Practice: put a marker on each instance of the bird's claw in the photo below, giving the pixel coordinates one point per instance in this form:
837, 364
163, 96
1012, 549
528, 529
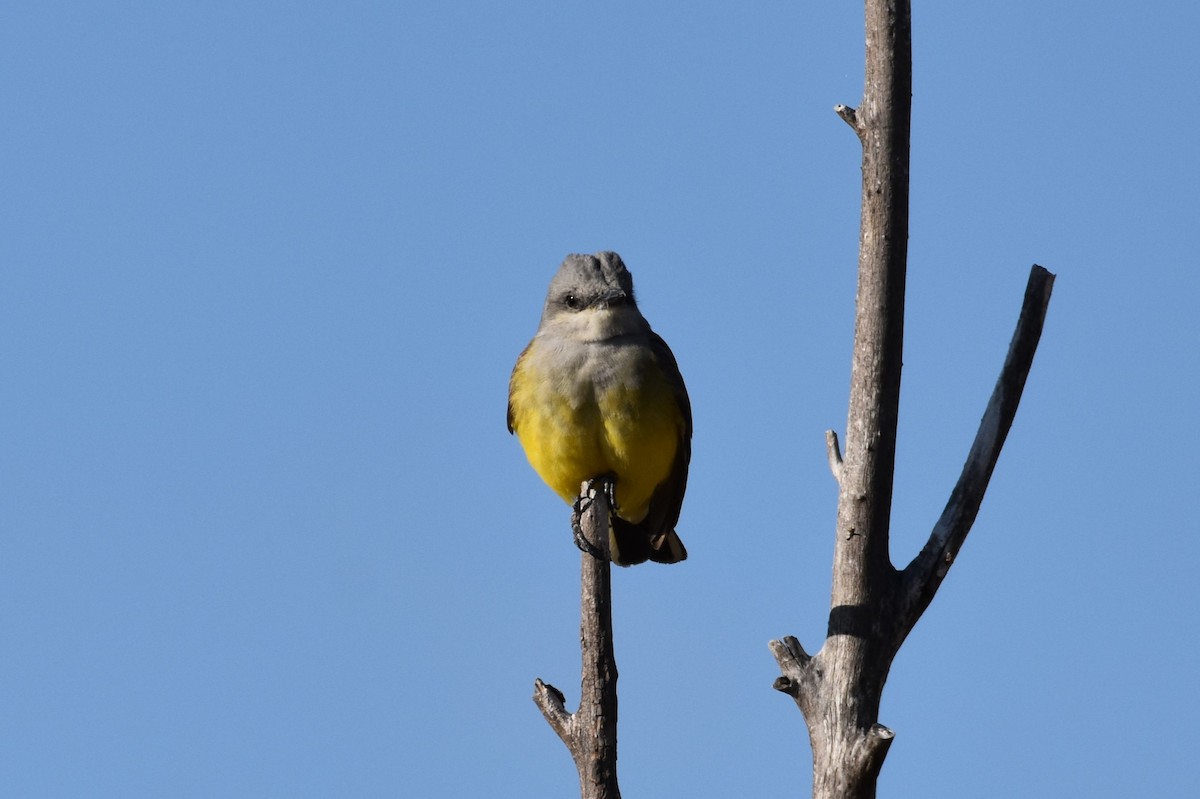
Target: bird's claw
582, 503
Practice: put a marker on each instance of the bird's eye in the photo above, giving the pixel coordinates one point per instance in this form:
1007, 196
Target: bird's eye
572, 302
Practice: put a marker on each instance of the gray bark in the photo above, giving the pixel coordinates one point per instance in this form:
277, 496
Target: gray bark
590, 733
873, 605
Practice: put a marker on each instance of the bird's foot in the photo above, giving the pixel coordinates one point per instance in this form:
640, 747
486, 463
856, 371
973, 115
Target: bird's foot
581, 540
584, 502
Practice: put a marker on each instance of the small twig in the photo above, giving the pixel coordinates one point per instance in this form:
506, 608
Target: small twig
834, 453
800, 676
849, 116
793, 662
552, 703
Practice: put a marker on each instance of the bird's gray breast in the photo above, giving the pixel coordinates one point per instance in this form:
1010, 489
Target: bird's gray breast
585, 369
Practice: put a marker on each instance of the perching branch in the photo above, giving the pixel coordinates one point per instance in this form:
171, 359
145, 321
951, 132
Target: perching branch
590, 733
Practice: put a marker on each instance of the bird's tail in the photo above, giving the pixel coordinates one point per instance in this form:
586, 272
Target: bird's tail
631, 544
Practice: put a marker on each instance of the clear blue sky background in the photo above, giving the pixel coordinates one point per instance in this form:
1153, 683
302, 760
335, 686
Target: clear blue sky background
264, 271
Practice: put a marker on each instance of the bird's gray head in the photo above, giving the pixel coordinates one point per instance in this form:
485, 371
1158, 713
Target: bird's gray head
591, 297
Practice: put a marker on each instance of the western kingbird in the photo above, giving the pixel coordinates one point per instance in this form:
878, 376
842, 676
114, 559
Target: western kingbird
597, 393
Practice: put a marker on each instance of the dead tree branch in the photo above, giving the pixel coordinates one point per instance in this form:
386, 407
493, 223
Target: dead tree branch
923, 576
590, 733
873, 606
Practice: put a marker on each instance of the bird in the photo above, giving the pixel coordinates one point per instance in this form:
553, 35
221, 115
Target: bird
597, 394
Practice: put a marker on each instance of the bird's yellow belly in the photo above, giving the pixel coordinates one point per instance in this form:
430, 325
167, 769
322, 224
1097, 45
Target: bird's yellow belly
630, 431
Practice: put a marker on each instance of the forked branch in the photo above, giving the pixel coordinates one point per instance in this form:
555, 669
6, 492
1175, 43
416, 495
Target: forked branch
847, 760
873, 606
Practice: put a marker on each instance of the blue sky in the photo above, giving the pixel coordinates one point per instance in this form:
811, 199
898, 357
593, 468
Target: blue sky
265, 269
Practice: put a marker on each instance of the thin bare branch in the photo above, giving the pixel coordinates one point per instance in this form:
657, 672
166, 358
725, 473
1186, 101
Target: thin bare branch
838, 690
590, 733
861, 560
925, 573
